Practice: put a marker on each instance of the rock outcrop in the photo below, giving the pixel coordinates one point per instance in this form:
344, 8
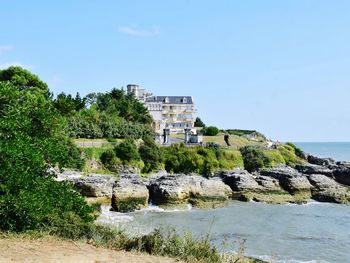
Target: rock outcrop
129, 194
325, 189
320, 161
342, 174
95, 185
180, 190
292, 181
314, 169
246, 187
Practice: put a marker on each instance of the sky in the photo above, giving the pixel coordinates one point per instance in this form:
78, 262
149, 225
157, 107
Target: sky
279, 67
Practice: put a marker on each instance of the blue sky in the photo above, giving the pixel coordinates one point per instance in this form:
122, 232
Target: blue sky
280, 67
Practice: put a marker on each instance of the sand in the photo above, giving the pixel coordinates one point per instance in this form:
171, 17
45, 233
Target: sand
55, 250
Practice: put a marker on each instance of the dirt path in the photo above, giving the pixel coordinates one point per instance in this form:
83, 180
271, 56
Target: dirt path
52, 250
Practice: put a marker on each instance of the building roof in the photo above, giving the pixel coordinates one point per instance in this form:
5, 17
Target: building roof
171, 99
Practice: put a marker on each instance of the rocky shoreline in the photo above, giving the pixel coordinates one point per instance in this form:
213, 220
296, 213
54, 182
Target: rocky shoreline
320, 179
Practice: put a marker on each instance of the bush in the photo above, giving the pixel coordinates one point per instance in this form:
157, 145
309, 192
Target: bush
180, 159
32, 139
298, 152
255, 158
151, 155
289, 155
211, 131
127, 151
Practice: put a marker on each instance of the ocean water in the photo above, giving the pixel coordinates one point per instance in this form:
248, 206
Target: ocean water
314, 232
339, 151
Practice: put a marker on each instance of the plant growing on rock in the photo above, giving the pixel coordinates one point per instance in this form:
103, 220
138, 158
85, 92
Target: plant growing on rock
254, 158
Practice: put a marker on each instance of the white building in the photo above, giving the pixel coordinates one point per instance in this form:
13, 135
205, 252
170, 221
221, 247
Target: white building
168, 112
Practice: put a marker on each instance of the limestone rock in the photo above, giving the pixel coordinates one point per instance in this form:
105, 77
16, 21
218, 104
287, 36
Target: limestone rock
314, 169
320, 161
240, 180
326, 189
179, 190
342, 174
247, 187
95, 185
291, 180
129, 194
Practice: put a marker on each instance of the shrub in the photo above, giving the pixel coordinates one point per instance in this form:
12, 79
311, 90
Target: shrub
298, 152
32, 138
151, 155
211, 131
254, 158
275, 156
127, 151
229, 159
289, 155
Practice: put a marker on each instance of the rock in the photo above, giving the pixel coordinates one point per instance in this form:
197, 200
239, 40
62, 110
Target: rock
240, 180
95, 185
246, 187
269, 184
320, 161
209, 193
342, 174
68, 175
291, 180
129, 194
314, 169
179, 190
326, 189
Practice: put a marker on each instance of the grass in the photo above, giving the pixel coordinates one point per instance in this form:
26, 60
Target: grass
235, 141
160, 242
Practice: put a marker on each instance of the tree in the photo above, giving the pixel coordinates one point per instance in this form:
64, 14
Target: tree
23, 79
67, 105
127, 151
33, 138
211, 131
151, 155
199, 123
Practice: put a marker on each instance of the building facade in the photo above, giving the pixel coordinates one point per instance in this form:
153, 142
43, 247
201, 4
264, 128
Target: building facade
176, 113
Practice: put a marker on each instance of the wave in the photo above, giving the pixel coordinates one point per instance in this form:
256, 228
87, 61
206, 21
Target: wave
285, 260
154, 208
110, 217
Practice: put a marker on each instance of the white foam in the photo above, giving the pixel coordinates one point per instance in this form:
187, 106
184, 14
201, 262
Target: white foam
154, 208
275, 259
114, 218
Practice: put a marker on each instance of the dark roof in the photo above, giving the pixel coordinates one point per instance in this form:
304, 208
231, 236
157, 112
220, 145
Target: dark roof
172, 99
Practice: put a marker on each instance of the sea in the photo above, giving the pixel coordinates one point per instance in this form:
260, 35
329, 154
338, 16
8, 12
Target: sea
314, 232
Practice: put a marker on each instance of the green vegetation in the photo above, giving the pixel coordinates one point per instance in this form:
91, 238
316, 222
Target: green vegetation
255, 158
298, 152
181, 159
210, 131
290, 155
151, 155
127, 151
32, 139
113, 114
199, 123
161, 242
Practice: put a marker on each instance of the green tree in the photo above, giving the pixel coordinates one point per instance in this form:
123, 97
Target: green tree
24, 79
211, 131
199, 123
32, 138
151, 155
127, 151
